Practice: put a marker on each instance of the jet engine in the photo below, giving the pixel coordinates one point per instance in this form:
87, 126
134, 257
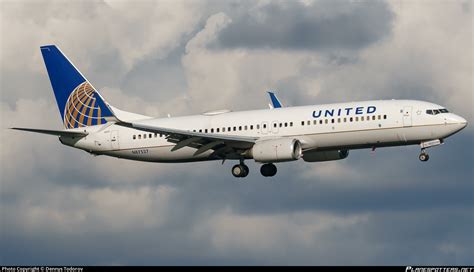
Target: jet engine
318, 156
277, 150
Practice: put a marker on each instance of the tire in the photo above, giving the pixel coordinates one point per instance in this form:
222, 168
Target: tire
268, 170
237, 171
246, 171
424, 157
240, 170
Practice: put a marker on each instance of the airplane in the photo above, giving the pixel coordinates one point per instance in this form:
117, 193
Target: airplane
312, 133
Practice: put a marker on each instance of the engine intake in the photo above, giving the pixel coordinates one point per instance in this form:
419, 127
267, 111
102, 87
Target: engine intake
277, 150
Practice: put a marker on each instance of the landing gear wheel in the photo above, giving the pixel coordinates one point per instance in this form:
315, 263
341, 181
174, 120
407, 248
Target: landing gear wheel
424, 157
246, 170
240, 170
268, 170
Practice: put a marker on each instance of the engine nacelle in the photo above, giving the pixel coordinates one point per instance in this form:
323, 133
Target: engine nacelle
277, 150
318, 156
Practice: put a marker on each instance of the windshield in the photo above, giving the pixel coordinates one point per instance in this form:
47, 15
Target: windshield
436, 111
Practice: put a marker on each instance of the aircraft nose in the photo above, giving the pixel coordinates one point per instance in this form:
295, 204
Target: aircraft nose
458, 121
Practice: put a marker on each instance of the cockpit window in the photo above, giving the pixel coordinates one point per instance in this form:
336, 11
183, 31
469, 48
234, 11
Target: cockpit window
436, 111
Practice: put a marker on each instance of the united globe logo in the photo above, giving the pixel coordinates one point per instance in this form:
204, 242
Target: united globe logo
82, 108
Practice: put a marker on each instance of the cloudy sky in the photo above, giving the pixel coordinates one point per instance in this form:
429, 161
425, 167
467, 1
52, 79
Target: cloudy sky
63, 206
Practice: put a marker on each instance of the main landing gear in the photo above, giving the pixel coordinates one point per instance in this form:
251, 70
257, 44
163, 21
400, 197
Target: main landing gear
241, 170
268, 170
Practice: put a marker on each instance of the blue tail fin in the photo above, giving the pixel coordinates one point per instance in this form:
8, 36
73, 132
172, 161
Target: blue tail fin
79, 102
275, 102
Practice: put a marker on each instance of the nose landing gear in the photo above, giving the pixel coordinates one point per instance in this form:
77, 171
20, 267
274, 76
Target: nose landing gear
424, 156
427, 144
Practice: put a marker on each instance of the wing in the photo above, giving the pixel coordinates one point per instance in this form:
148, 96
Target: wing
224, 146
65, 133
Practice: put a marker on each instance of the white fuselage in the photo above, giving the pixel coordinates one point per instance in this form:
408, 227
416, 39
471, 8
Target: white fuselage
342, 126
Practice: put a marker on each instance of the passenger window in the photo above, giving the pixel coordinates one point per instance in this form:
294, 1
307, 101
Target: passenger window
223, 129
144, 136
235, 128
321, 122
264, 125
351, 119
379, 117
302, 123
134, 137
286, 124
139, 136
229, 129
291, 124
251, 127
362, 118
212, 130
357, 119
373, 117
274, 125
240, 128
345, 119
332, 121
150, 136
280, 125
217, 130
309, 123
258, 126
325, 121
245, 127
200, 131
385, 116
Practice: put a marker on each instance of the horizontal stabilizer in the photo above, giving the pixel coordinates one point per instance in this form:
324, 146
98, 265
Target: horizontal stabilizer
55, 132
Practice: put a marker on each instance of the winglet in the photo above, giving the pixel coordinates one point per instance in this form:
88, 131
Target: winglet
275, 102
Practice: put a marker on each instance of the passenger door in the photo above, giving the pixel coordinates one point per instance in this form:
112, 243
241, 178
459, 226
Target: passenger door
114, 139
264, 127
275, 127
407, 116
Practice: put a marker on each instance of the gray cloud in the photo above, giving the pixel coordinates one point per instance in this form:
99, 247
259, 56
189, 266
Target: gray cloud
320, 25
386, 208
